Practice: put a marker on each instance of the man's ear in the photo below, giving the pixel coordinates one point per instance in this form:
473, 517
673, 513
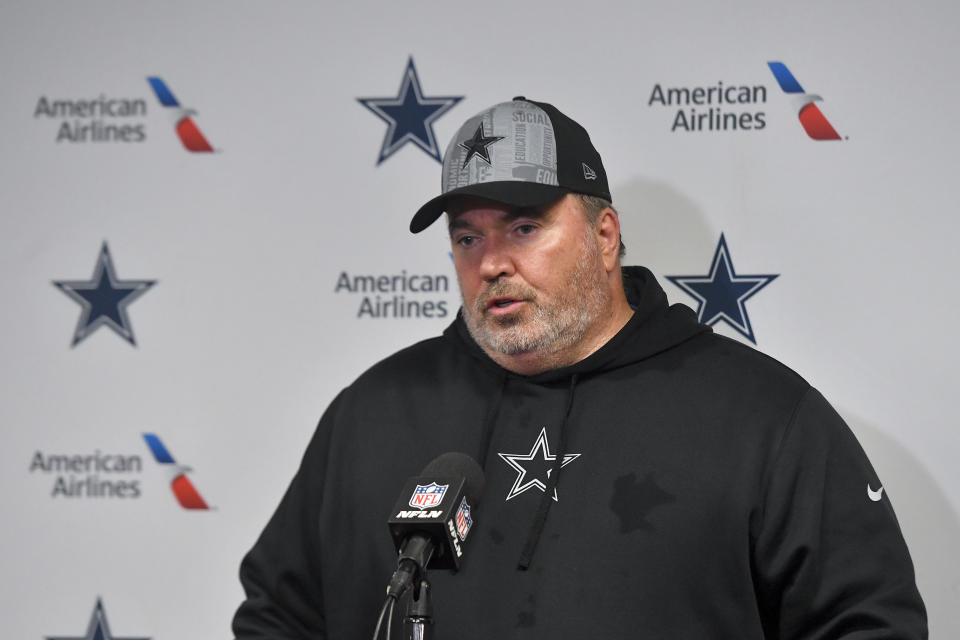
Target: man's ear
608, 234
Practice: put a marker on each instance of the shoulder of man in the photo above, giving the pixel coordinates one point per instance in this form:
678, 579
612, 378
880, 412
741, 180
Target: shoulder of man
421, 361
739, 363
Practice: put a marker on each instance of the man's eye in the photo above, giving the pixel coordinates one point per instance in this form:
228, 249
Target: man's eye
526, 229
466, 241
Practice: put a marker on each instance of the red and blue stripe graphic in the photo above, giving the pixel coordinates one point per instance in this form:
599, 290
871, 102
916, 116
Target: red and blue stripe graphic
187, 129
183, 489
814, 122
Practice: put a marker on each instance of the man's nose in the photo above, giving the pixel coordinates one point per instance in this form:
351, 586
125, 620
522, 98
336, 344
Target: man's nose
497, 259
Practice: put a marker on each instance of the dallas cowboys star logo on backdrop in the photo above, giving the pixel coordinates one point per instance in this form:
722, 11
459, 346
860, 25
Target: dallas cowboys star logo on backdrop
97, 629
477, 146
410, 115
104, 299
722, 294
533, 469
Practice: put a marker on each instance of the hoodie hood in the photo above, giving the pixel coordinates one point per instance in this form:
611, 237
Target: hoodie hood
654, 327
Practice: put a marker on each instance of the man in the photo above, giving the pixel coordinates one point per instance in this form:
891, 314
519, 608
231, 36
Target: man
644, 476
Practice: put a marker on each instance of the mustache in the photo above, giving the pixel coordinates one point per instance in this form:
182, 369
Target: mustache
501, 289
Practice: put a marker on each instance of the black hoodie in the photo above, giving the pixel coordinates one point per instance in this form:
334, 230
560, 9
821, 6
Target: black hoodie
705, 491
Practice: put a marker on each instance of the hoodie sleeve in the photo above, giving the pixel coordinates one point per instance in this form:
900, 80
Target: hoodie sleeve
830, 560
281, 573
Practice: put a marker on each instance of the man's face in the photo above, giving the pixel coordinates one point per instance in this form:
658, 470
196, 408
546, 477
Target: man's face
531, 280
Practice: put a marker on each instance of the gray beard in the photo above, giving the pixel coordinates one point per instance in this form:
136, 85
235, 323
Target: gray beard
550, 327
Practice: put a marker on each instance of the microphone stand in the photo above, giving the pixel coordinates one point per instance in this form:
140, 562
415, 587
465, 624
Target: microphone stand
411, 574
420, 613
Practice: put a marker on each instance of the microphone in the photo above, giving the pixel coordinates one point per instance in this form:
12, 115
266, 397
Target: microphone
433, 517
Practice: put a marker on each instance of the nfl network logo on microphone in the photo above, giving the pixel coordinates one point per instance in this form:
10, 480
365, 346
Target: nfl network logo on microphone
426, 496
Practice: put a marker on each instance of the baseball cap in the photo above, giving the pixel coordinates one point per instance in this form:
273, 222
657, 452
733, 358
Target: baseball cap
522, 153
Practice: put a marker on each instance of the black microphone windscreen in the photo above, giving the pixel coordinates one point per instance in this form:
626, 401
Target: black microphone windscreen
458, 464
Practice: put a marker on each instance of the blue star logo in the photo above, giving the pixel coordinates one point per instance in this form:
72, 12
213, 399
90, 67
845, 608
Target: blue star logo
409, 116
722, 294
104, 299
97, 629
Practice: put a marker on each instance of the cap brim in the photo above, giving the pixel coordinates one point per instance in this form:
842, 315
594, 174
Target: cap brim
514, 193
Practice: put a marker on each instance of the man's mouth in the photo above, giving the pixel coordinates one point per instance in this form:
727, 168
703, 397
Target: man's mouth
502, 304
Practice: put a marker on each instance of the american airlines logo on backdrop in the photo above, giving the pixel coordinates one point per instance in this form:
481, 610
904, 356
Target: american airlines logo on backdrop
113, 474
398, 295
180, 484
100, 118
180, 117
814, 122
85, 475
105, 118
725, 106
722, 106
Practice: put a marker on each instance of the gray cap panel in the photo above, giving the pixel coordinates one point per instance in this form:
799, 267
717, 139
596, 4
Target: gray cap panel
517, 136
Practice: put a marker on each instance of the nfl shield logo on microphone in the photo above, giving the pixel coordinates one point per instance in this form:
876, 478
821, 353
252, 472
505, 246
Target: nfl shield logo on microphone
426, 496
464, 521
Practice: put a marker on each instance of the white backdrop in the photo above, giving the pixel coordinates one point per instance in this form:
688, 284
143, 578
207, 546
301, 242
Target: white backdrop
243, 338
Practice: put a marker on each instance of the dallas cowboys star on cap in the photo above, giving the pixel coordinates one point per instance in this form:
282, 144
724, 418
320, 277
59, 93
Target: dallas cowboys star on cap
521, 153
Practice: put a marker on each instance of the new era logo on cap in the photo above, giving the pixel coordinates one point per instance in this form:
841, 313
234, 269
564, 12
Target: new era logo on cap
588, 173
